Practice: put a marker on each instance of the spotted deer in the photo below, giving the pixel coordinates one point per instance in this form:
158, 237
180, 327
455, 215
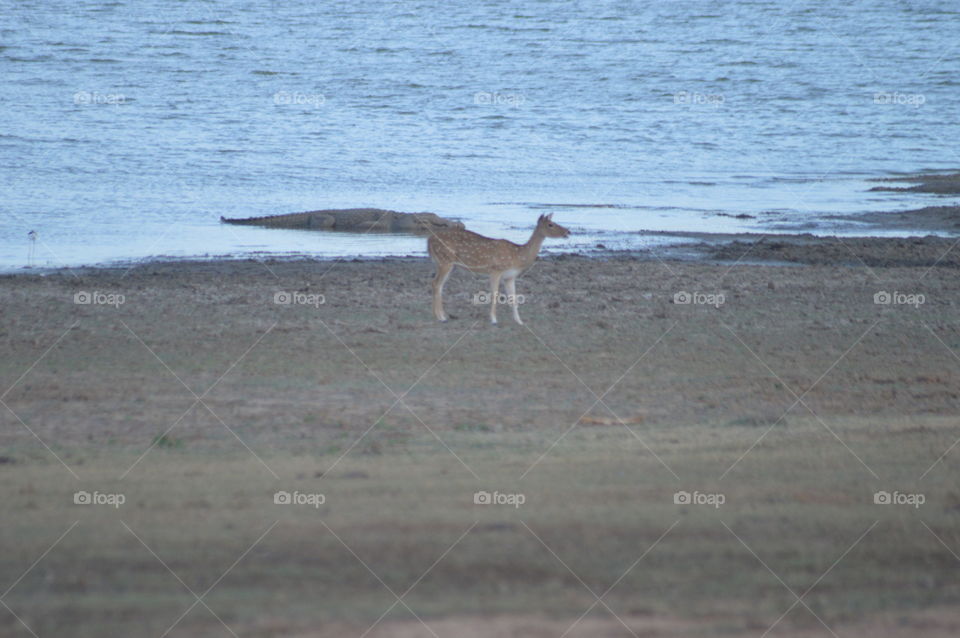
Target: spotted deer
499, 258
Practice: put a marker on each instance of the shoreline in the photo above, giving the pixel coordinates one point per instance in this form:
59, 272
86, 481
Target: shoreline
929, 225
745, 249
935, 216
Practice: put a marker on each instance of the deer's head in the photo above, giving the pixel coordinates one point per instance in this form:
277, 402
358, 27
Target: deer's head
550, 228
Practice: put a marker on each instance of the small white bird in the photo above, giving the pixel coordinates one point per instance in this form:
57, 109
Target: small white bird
31, 253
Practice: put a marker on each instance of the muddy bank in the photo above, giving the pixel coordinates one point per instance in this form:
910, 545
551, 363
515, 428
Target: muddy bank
943, 219
913, 252
778, 249
935, 219
937, 183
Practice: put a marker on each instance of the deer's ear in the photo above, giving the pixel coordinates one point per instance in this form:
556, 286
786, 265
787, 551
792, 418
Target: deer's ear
541, 218
550, 216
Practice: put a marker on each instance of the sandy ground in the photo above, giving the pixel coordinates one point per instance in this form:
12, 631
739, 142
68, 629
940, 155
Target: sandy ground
586, 318
199, 389
932, 623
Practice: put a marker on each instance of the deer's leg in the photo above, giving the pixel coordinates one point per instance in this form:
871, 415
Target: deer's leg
494, 293
511, 286
443, 271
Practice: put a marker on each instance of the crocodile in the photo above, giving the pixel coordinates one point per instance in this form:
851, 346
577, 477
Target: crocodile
356, 220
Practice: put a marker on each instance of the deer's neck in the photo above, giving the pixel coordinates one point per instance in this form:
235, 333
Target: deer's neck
529, 251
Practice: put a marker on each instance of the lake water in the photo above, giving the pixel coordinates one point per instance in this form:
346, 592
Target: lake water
130, 127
